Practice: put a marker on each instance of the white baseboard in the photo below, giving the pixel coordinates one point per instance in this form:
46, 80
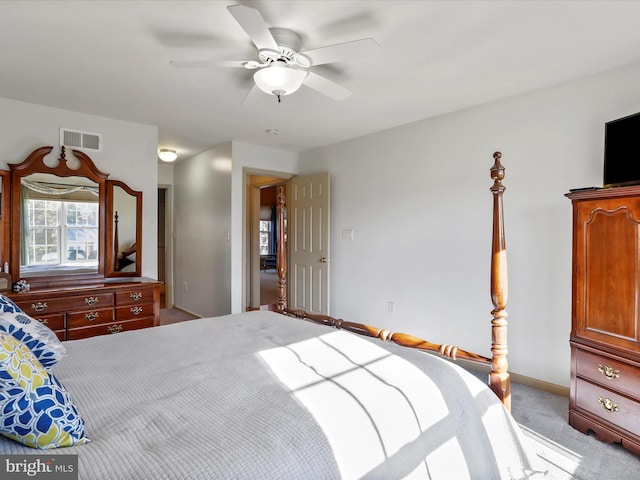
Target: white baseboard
522, 379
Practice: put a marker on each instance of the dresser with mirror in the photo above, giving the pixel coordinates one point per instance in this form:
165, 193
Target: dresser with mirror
74, 236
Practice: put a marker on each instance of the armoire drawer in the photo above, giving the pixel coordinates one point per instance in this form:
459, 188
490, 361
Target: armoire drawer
110, 328
608, 405
611, 374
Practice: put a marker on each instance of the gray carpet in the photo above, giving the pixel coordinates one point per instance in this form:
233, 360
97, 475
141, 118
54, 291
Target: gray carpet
268, 287
566, 453
172, 315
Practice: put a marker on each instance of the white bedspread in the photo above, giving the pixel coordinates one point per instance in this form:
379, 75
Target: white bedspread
262, 396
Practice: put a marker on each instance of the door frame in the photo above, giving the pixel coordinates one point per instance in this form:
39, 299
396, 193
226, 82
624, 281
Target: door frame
168, 242
253, 180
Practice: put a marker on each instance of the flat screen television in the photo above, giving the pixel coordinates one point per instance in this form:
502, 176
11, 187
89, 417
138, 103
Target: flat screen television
622, 152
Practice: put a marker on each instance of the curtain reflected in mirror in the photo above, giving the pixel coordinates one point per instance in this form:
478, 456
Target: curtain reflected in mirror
59, 225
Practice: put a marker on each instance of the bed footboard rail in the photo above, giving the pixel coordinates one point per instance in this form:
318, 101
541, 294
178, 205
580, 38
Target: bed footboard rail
403, 339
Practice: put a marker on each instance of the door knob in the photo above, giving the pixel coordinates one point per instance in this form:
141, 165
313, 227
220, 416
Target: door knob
325, 260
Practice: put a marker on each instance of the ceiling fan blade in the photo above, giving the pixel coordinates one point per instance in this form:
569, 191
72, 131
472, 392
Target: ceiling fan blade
339, 52
252, 22
326, 87
248, 64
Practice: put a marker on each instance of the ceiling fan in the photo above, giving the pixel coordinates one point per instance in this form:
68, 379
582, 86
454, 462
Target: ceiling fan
281, 68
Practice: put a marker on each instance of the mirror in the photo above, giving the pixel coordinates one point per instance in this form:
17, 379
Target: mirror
57, 221
124, 230
59, 225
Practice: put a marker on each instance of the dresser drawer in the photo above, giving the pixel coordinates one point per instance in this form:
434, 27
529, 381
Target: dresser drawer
131, 312
90, 317
610, 373
609, 406
55, 321
117, 327
134, 296
65, 304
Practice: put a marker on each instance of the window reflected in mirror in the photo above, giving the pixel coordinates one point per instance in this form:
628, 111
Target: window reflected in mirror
59, 225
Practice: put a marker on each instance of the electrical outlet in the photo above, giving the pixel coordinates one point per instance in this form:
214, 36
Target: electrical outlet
391, 307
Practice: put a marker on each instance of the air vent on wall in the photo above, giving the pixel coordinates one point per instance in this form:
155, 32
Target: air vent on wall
83, 140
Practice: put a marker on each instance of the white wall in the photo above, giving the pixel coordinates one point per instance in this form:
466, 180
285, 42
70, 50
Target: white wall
418, 200
165, 173
129, 154
210, 219
202, 222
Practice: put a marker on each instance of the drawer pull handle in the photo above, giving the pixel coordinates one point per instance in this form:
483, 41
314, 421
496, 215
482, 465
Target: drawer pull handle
608, 371
136, 296
91, 301
136, 310
91, 316
115, 328
39, 307
608, 404
43, 321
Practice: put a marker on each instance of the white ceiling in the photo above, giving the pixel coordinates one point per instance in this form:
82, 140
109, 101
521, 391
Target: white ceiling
111, 58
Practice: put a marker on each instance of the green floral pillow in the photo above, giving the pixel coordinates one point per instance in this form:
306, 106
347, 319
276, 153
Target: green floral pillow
36, 410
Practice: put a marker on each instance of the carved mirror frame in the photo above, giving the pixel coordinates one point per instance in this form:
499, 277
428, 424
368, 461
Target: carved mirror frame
34, 163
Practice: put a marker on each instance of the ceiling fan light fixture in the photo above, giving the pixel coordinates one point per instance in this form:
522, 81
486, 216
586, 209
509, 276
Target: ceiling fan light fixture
167, 154
278, 79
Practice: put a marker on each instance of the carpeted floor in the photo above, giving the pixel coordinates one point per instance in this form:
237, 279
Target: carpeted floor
268, 287
172, 315
566, 453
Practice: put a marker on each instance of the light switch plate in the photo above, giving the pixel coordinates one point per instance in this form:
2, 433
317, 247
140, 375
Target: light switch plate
347, 234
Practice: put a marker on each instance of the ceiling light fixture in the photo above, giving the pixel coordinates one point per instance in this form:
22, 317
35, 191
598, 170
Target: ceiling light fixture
167, 155
279, 79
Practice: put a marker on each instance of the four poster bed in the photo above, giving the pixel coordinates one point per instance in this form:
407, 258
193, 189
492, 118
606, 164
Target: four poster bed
264, 395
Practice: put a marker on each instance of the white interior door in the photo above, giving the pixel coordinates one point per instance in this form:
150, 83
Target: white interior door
308, 243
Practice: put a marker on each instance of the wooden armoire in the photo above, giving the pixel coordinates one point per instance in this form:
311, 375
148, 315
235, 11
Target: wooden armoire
605, 328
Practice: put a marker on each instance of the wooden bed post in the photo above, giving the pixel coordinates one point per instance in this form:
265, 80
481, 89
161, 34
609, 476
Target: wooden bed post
499, 377
281, 257
116, 265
